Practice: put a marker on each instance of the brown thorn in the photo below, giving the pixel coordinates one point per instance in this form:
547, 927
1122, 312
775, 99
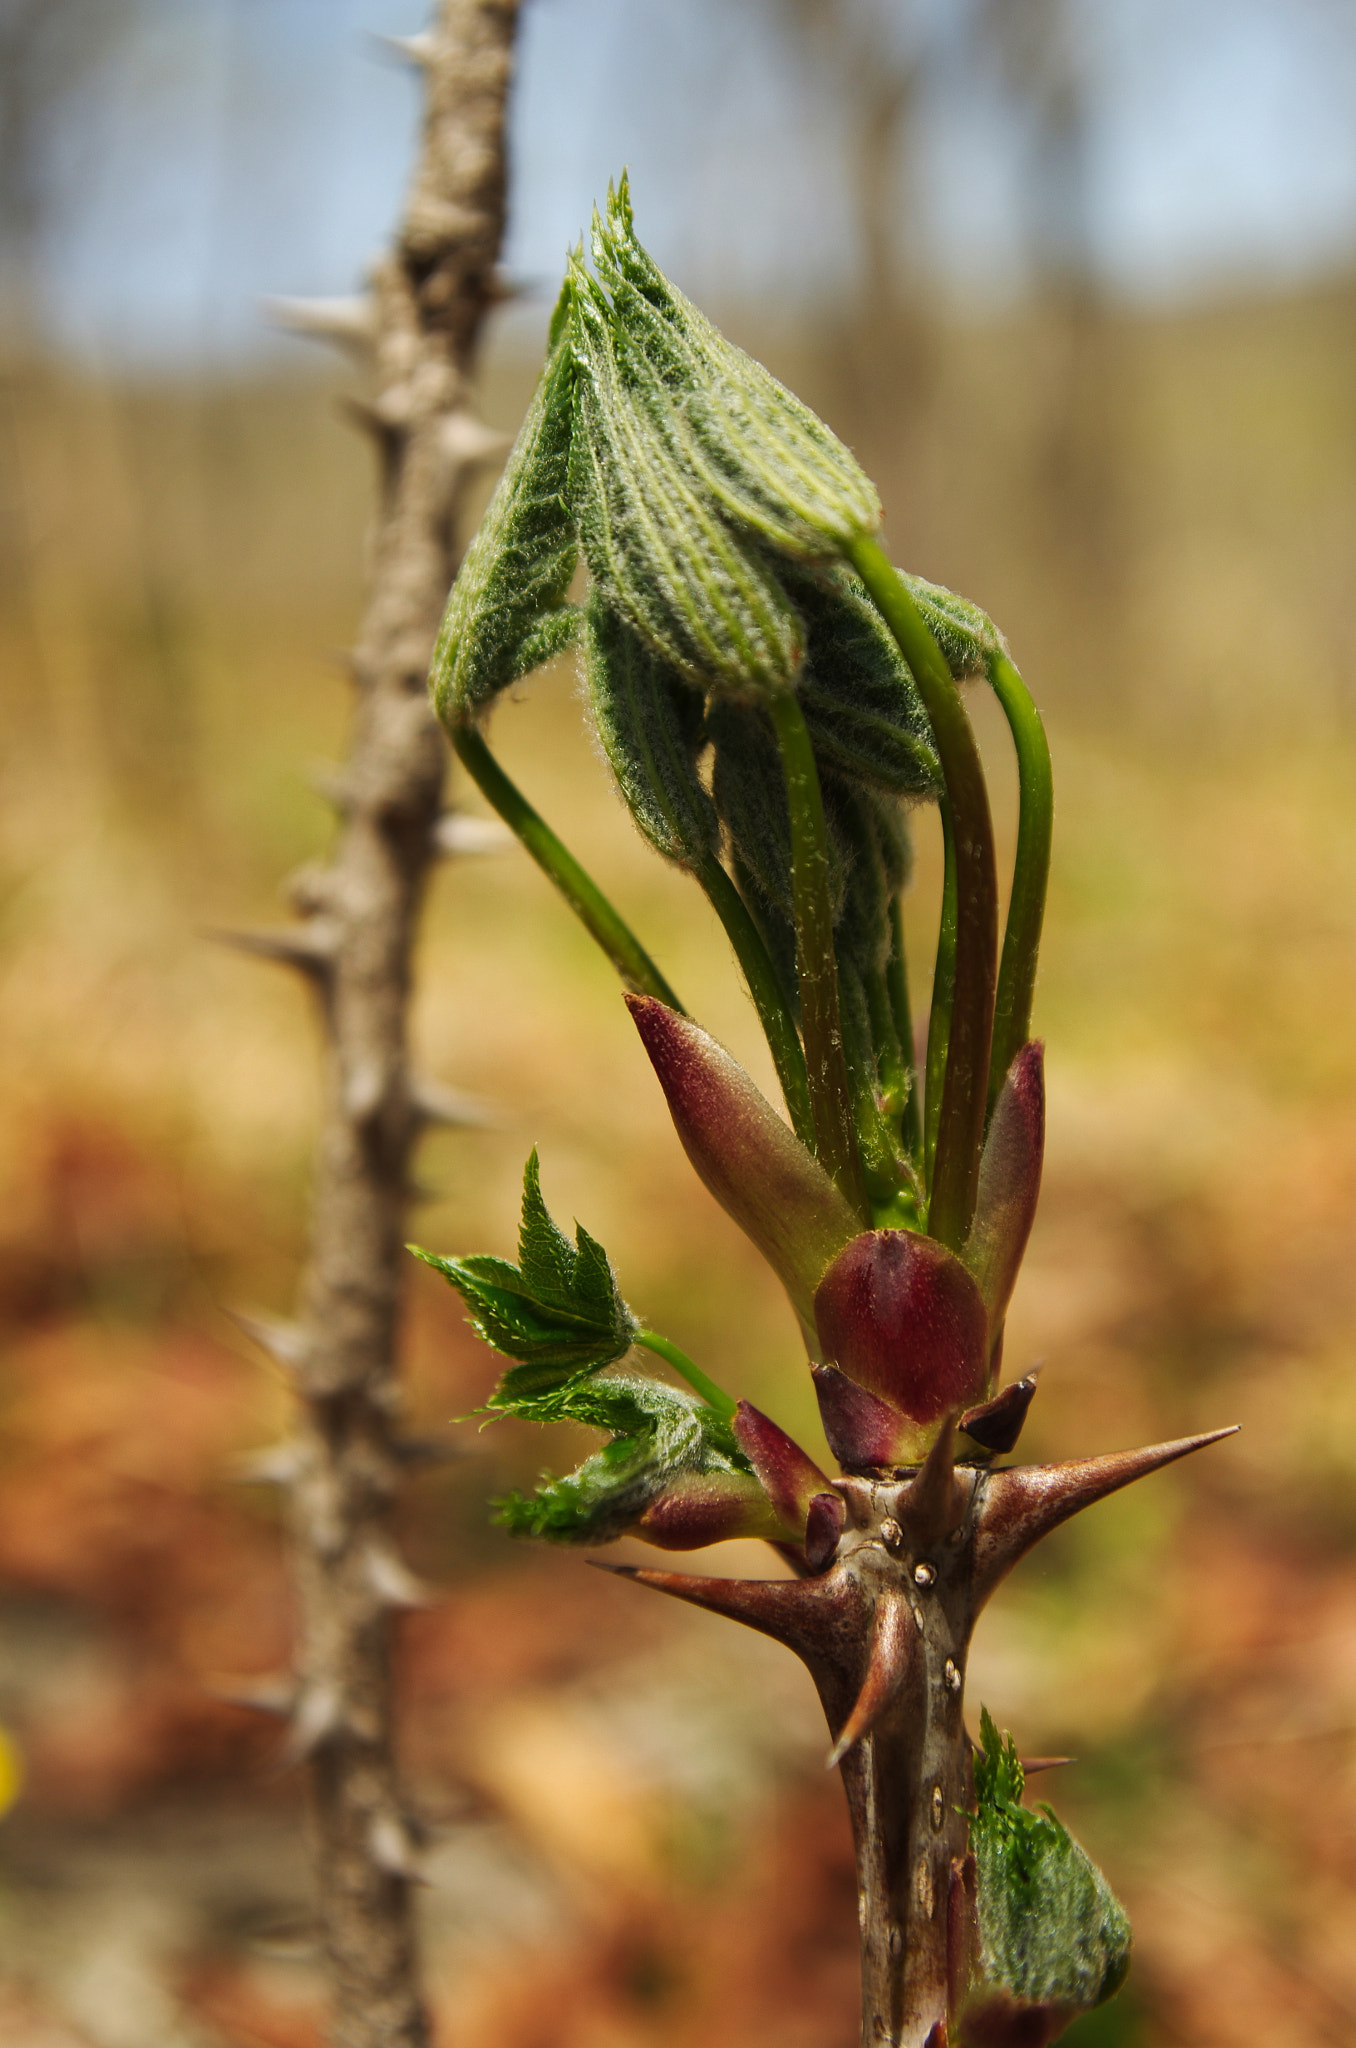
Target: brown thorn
804, 1614
310, 948
1022, 1503
349, 323
891, 1643
935, 1503
287, 1344
1032, 1764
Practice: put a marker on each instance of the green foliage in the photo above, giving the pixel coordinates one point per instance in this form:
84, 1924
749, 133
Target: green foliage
649, 720
659, 1436
1051, 1930
558, 1311
968, 637
507, 612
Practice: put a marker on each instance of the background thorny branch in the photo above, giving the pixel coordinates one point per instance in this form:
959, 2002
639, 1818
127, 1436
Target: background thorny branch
419, 326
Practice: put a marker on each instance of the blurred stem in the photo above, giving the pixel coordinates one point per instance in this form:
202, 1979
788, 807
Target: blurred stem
580, 891
960, 1125
943, 989
891, 1064
764, 985
1030, 871
816, 963
897, 986
713, 1395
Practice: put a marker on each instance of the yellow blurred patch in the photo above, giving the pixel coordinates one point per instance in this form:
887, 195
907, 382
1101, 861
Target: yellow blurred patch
11, 1771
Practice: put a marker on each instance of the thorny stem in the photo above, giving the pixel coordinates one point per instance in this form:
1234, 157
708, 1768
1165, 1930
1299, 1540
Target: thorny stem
960, 1127
1030, 870
765, 988
429, 298
663, 1347
580, 891
816, 962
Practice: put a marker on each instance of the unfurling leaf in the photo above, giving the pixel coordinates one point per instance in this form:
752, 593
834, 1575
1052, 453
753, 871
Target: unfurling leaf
558, 1311
656, 546
769, 460
649, 720
672, 1472
968, 637
507, 611
1053, 1939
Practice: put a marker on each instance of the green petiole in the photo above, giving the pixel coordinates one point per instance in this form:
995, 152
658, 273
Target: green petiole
580, 891
765, 987
662, 1347
1030, 870
960, 1123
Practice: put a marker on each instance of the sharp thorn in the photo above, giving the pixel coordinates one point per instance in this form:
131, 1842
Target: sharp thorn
891, 1645
287, 1344
1021, 1503
418, 50
365, 1088
467, 442
310, 948
329, 780
1032, 1764
801, 1613
318, 1714
391, 1579
273, 1465
349, 323
935, 1503
275, 1694
392, 1849
368, 419
454, 1108
458, 833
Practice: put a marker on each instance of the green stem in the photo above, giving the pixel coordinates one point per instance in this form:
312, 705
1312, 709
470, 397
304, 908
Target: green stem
580, 891
1030, 870
960, 1128
897, 983
714, 1396
943, 994
892, 1067
764, 985
816, 964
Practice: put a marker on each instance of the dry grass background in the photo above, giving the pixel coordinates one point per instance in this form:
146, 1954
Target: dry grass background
631, 1837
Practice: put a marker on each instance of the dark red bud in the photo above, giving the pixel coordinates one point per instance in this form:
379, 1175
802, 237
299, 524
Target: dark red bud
998, 1423
899, 1314
704, 1508
861, 1430
790, 1477
823, 1527
753, 1164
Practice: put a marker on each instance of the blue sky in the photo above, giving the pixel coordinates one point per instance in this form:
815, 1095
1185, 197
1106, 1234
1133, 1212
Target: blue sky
236, 148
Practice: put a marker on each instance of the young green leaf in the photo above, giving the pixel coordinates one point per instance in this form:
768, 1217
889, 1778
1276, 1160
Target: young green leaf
654, 542
769, 460
662, 1441
507, 613
649, 719
558, 1311
967, 636
1051, 1931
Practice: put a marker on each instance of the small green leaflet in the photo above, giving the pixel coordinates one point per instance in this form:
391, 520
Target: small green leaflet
558, 1311
659, 1435
1051, 1930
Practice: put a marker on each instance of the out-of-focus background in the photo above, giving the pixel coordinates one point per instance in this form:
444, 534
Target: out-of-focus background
1077, 278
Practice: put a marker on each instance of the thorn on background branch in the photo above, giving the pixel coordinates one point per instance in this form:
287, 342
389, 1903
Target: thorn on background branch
317, 1716
391, 1579
273, 1465
418, 50
309, 948
287, 1344
458, 833
453, 1108
275, 1693
347, 323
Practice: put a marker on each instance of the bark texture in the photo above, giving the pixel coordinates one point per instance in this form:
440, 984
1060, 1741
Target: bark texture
417, 327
